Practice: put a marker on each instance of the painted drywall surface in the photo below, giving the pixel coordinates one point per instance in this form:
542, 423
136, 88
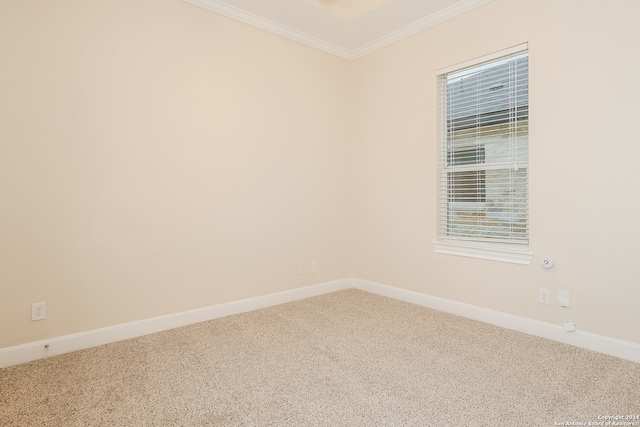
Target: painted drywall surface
584, 188
156, 157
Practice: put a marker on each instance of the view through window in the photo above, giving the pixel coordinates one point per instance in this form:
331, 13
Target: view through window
484, 151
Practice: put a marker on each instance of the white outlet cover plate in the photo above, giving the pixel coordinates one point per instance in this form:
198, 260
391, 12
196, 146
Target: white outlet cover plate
564, 299
543, 296
38, 311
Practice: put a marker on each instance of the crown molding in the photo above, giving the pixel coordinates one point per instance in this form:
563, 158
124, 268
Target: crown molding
222, 8
241, 15
417, 26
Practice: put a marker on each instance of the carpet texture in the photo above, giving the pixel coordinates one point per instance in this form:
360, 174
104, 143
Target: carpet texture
345, 358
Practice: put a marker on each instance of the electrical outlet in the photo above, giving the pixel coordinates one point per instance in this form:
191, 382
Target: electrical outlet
314, 266
300, 269
38, 311
543, 296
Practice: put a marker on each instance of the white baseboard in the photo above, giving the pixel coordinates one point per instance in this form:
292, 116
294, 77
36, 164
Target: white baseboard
58, 345
600, 343
64, 344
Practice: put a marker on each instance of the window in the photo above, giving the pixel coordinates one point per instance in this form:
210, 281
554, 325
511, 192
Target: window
483, 174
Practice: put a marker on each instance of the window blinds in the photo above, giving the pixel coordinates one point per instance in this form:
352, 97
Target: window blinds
484, 151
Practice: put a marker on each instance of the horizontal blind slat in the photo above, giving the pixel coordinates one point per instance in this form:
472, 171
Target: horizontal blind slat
483, 154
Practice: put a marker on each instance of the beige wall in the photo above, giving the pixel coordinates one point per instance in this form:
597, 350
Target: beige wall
584, 186
156, 157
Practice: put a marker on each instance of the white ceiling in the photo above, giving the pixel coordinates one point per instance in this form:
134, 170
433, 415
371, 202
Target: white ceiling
347, 28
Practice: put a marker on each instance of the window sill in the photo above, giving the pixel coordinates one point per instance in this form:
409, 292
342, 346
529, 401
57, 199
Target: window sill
516, 254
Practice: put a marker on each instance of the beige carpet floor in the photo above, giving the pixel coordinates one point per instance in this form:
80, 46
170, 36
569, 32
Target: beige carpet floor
348, 358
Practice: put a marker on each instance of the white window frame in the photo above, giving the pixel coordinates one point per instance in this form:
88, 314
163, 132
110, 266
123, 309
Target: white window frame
517, 253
